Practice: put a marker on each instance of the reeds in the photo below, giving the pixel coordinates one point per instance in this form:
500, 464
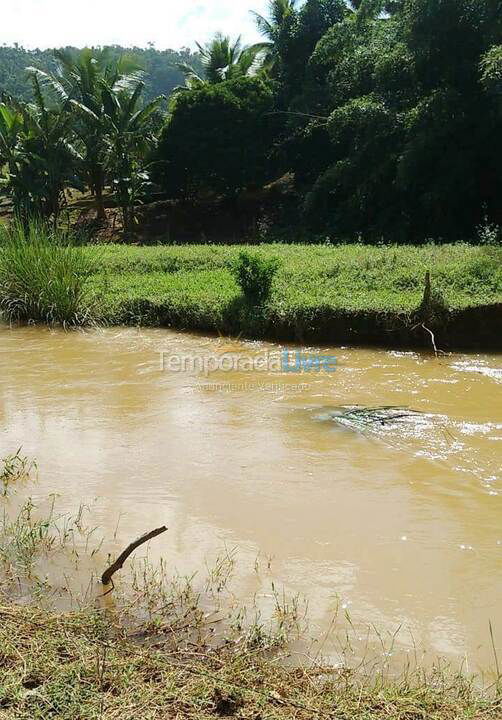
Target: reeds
43, 276
14, 468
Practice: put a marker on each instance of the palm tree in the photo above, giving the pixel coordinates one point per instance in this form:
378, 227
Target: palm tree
79, 82
281, 15
131, 139
222, 59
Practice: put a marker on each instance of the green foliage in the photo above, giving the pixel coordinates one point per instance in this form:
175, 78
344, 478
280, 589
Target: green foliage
162, 74
383, 115
217, 139
414, 141
314, 288
491, 70
88, 124
276, 30
88, 83
39, 159
222, 59
43, 278
131, 140
255, 276
13, 469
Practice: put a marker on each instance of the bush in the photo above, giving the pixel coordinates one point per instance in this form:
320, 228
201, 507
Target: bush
217, 140
43, 277
255, 276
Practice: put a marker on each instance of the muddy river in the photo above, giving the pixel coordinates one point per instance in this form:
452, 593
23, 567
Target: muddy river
236, 445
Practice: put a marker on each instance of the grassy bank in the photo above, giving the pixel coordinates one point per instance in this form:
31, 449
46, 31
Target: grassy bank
320, 294
75, 667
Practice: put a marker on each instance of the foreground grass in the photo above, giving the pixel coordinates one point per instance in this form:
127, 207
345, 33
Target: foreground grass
359, 289
166, 647
81, 667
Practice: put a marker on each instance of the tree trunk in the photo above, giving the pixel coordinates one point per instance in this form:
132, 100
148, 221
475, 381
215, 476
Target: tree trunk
97, 184
100, 205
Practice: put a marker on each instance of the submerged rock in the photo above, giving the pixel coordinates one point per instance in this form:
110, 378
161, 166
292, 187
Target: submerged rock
356, 417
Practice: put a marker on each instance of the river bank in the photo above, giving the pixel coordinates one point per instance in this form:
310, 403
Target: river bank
347, 294
159, 645
75, 666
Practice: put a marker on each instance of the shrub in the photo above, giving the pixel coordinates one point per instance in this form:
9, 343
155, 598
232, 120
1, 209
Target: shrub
217, 140
43, 277
255, 276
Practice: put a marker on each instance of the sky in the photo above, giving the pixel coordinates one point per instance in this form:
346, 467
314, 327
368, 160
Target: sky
166, 23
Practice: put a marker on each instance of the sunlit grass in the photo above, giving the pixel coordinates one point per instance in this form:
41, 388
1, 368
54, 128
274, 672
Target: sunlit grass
318, 293
43, 278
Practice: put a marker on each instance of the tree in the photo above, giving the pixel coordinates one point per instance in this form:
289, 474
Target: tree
131, 139
161, 72
40, 160
450, 167
412, 122
275, 28
217, 139
82, 82
221, 59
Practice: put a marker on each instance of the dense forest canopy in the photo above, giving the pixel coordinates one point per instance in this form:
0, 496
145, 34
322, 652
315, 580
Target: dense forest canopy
385, 114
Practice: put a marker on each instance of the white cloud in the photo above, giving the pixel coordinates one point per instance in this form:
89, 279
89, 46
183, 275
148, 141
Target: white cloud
167, 23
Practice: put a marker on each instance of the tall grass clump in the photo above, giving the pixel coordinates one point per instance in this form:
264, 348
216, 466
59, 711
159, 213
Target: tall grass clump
43, 276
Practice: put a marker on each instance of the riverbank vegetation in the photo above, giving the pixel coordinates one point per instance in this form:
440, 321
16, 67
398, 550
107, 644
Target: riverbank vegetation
82, 665
43, 276
317, 293
160, 645
379, 122
284, 292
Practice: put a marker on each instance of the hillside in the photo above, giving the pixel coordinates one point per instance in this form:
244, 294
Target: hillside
162, 74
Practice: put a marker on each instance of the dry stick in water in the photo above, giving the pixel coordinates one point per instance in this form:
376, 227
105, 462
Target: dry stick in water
119, 562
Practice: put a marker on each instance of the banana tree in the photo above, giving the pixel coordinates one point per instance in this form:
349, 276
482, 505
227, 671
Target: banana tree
80, 84
131, 138
11, 152
37, 155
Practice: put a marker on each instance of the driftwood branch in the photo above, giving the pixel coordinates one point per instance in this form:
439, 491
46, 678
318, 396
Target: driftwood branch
119, 562
436, 351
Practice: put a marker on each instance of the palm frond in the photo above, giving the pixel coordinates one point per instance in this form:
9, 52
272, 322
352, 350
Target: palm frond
140, 117
264, 26
54, 86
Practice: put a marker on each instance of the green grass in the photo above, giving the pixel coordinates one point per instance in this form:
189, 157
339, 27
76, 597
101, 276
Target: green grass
81, 667
319, 293
42, 277
193, 287
354, 276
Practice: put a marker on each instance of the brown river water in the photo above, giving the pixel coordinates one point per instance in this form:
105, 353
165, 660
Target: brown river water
398, 524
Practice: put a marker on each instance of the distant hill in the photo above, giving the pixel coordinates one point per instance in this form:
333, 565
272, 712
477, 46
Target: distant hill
160, 66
